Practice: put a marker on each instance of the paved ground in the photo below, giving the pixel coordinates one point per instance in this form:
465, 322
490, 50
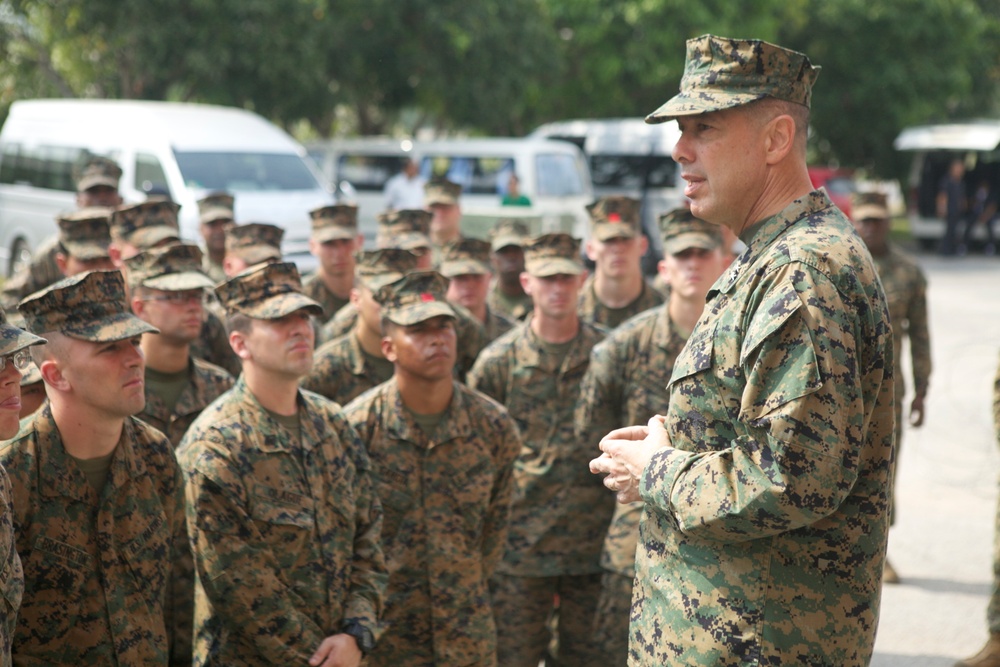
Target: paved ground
947, 480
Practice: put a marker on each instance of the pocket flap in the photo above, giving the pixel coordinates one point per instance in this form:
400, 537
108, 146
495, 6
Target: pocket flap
772, 313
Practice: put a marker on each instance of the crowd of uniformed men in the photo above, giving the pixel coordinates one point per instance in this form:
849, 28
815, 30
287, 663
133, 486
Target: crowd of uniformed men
386, 462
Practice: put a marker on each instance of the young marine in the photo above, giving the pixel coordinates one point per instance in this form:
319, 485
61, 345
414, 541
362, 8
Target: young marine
443, 459
559, 517
283, 516
98, 495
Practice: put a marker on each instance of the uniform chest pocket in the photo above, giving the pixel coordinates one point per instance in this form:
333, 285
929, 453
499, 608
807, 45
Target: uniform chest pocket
278, 507
696, 356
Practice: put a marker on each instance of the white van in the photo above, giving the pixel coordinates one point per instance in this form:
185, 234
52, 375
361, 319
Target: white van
627, 156
553, 175
934, 147
183, 150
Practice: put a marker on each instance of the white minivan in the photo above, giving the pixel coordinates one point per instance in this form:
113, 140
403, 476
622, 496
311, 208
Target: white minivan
552, 174
182, 150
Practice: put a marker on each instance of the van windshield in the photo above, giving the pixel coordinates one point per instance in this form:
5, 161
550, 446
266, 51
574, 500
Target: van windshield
629, 171
245, 172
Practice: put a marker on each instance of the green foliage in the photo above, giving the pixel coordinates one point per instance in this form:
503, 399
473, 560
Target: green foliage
501, 66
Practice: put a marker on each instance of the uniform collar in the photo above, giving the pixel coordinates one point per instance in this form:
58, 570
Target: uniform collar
270, 436
401, 425
763, 234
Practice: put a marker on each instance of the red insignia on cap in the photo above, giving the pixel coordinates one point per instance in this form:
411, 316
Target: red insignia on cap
426, 296
614, 217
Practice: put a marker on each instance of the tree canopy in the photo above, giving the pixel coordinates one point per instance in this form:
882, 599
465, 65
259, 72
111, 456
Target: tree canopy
501, 66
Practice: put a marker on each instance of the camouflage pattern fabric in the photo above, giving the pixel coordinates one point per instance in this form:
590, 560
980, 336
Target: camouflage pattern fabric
11, 574
775, 489
524, 615
147, 223
906, 292
100, 573
441, 191
85, 234
216, 206
993, 610
213, 270
721, 73
446, 500
560, 511
416, 297
208, 382
334, 222
340, 371
285, 531
470, 332
255, 242
553, 254
496, 325
41, 272
625, 384
314, 288
592, 310
98, 170
172, 268
213, 345
615, 217
266, 292
517, 308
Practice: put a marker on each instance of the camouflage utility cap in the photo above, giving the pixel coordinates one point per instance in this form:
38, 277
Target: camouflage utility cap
88, 306
417, 297
615, 217
721, 73
409, 228
31, 375
86, 234
173, 268
254, 242
216, 206
869, 205
680, 230
331, 223
553, 254
441, 191
14, 338
147, 223
466, 257
376, 268
266, 292
98, 171
509, 232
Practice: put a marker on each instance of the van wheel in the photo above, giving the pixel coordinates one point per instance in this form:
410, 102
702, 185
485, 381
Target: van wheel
20, 256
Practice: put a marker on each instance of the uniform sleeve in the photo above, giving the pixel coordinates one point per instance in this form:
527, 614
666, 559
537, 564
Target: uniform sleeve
919, 334
801, 421
369, 574
486, 376
11, 574
598, 411
239, 575
498, 516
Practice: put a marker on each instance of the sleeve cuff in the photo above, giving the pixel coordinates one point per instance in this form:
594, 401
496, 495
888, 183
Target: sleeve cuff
658, 478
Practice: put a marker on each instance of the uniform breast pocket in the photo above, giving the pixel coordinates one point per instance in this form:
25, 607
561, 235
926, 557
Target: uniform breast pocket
148, 556
286, 520
396, 504
55, 573
472, 489
526, 403
695, 400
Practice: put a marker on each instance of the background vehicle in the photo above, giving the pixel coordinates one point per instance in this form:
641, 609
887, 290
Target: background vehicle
629, 157
839, 184
934, 147
184, 150
553, 174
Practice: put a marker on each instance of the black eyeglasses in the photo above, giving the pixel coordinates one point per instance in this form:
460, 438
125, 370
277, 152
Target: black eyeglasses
20, 360
181, 298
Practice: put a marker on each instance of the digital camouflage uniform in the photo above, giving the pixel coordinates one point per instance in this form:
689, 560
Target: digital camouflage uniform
12, 340
216, 207
100, 569
446, 498
506, 233
213, 345
316, 289
440, 190
560, 512
592, 310
208, 382
626, 384
285, 527
615, 217
42, 271
781, 501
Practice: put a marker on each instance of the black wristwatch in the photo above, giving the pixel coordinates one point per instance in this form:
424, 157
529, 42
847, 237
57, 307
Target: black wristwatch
362, 635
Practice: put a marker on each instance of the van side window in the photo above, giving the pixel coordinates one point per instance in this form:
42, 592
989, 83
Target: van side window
368, 173
476, 175
49, 167
558, 176
629, 171
149, 174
